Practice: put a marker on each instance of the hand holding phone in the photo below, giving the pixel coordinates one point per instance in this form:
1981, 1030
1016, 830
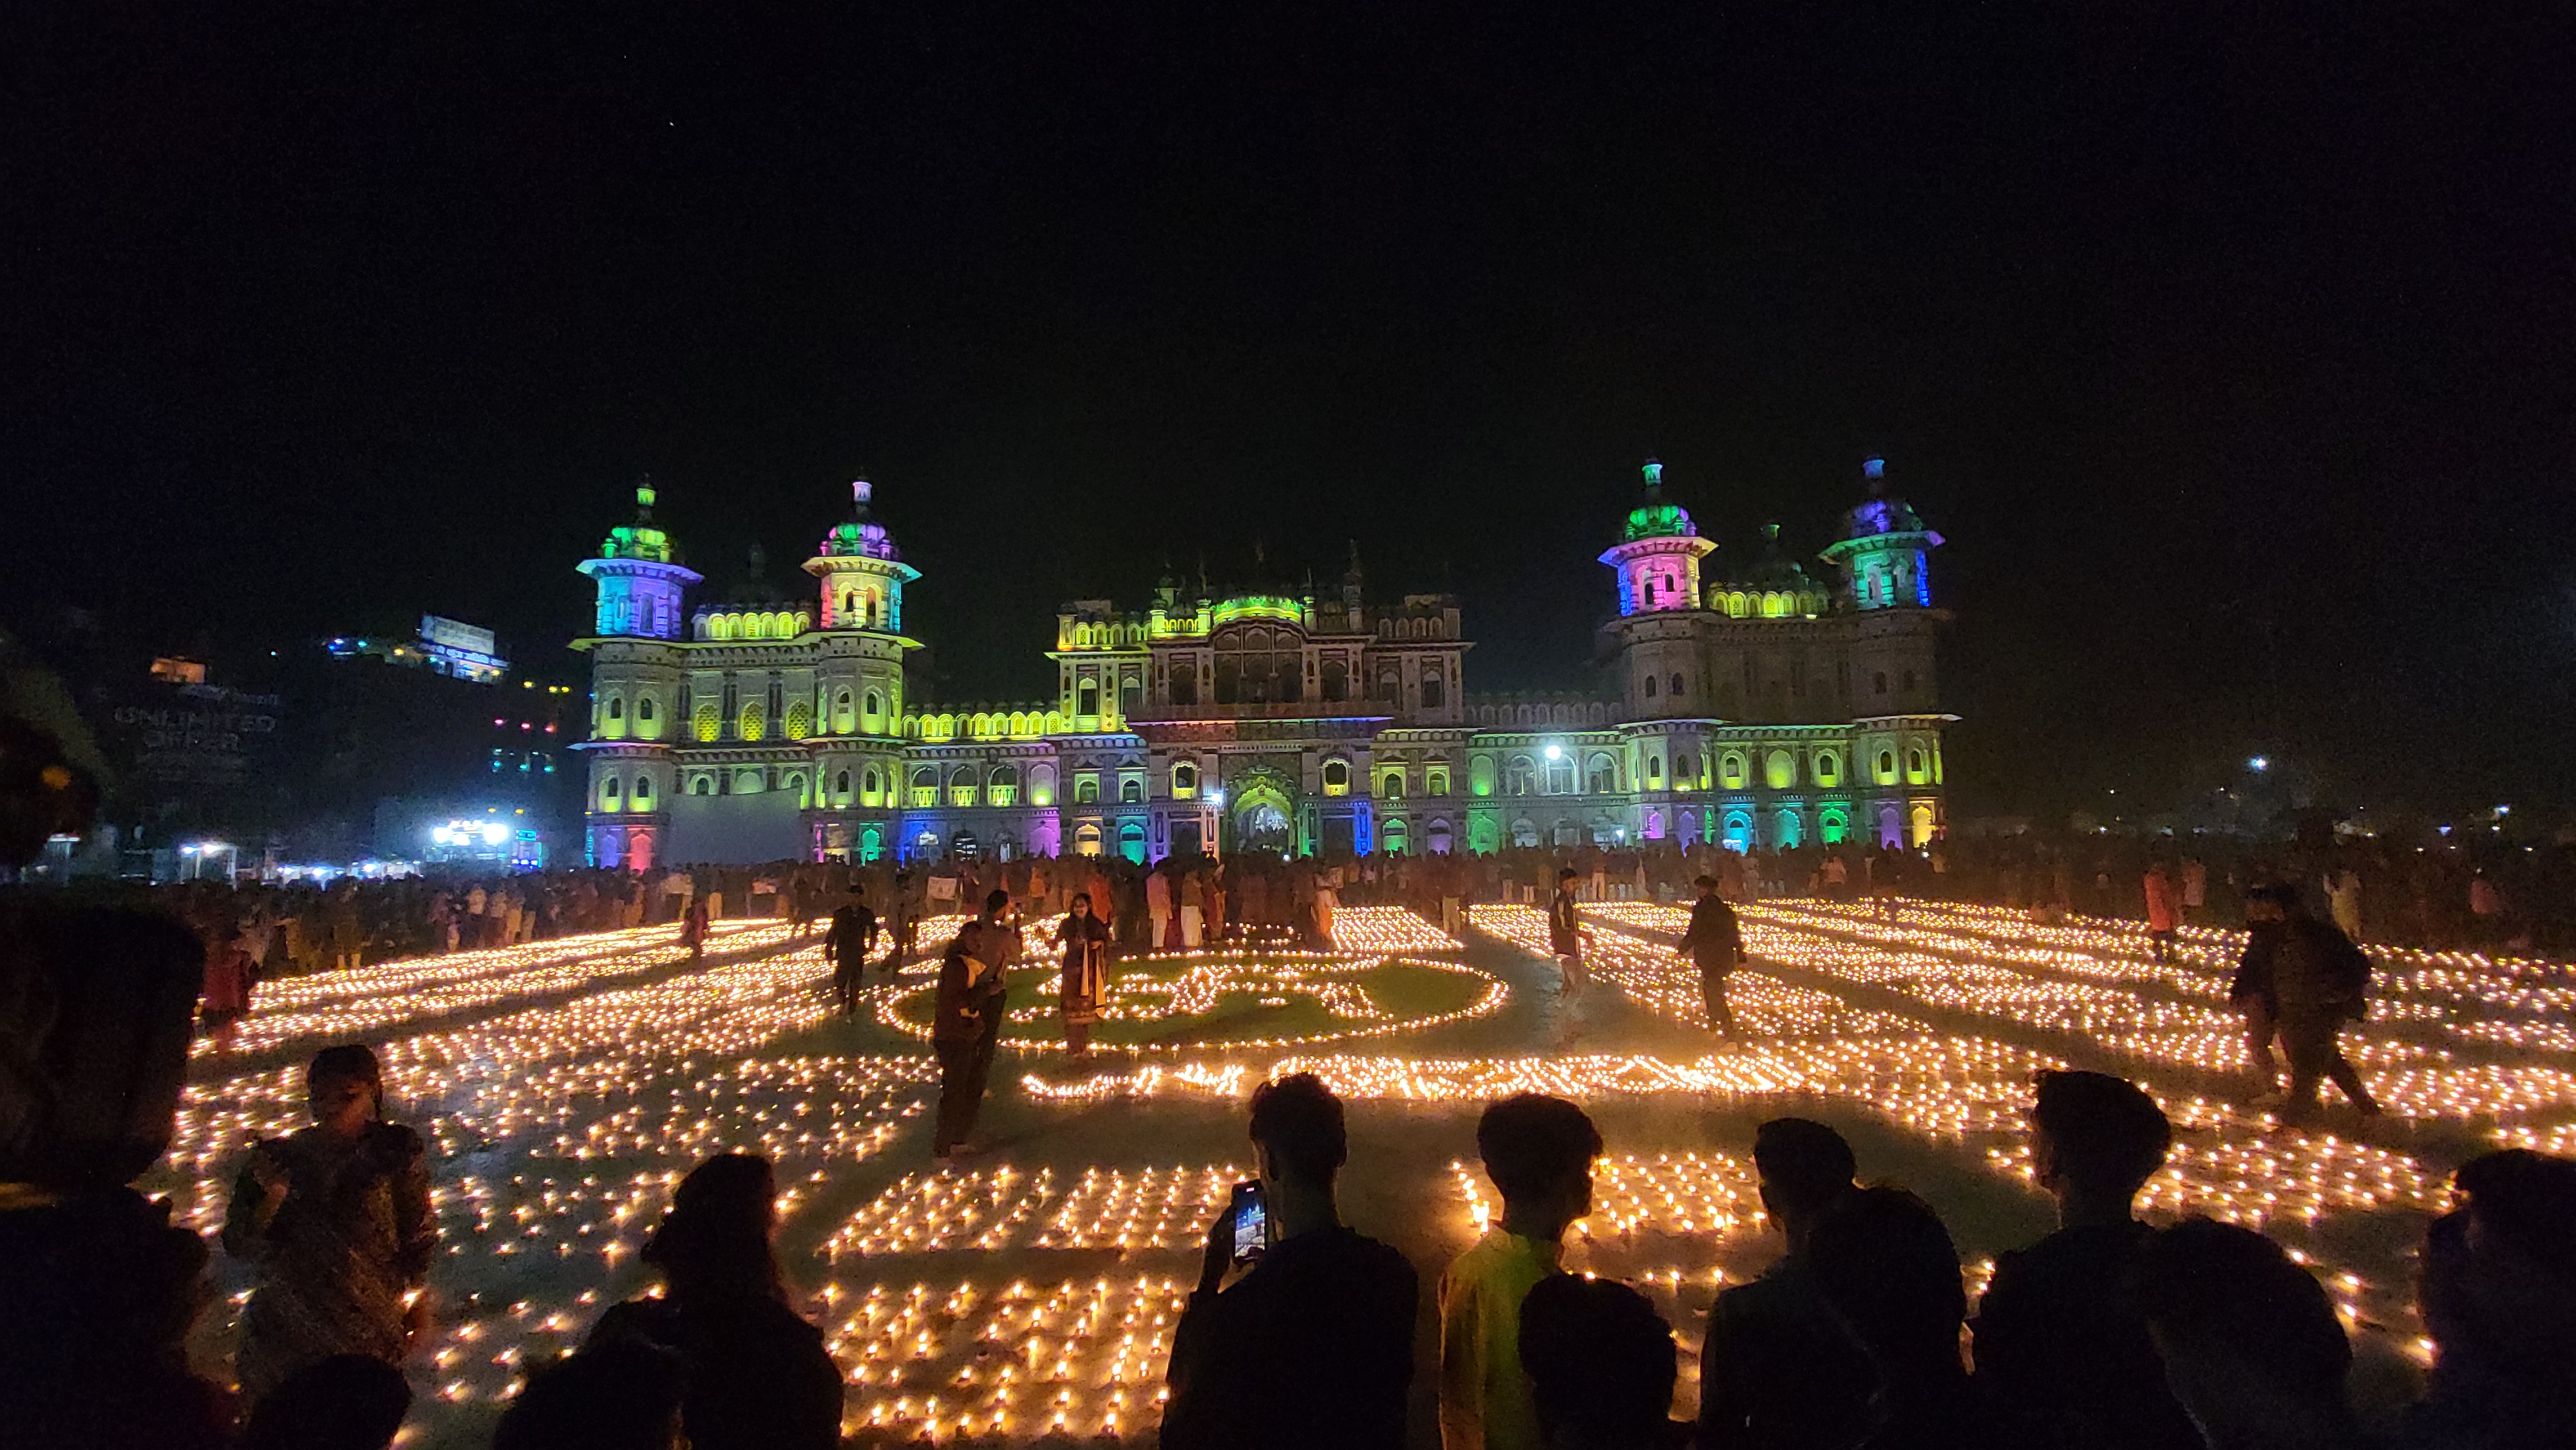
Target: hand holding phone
1250, 1218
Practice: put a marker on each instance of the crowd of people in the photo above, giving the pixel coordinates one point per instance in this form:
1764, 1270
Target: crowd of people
2105, 1333
2480, 895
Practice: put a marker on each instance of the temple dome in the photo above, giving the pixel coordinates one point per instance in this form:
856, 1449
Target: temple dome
1656, 518
860, 537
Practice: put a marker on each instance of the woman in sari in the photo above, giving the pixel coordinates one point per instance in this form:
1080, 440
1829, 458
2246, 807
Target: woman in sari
1085, 941
336, 1217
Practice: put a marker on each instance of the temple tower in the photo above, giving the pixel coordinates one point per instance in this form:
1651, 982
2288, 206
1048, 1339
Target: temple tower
1657, 556
640, 583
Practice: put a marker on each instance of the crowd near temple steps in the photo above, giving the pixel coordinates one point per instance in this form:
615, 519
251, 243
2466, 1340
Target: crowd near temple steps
1267, 1041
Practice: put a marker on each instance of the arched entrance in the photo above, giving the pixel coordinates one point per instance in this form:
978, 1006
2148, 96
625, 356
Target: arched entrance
1263, 815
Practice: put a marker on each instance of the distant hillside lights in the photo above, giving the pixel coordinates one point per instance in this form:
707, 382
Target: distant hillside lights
1753, 706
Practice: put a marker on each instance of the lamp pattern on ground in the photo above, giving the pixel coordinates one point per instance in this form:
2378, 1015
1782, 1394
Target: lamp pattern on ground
371, 1000
1170, 988
987, 1210
566, 1087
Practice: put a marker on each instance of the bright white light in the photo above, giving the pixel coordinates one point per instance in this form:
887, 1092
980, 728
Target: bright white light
494, 833
2260, 762
1216, 797
443, 836
1555, 752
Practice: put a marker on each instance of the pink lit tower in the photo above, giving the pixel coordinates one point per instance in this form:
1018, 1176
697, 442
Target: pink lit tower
1658, 554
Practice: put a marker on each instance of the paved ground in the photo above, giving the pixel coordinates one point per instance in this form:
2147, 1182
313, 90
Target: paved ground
1027, 1294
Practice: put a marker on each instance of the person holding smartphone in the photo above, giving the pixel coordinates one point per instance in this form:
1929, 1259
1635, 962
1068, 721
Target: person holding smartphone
1311, 1343
336, 1218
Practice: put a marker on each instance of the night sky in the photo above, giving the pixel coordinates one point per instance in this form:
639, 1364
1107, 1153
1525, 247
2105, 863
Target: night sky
2231, 347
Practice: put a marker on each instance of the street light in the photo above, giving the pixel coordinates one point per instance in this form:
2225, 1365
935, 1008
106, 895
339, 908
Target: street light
2259, 763
1555, 752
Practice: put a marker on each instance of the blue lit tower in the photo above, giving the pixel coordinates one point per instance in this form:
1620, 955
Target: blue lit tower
639, 583
1897, 720
1885, 549
638, 669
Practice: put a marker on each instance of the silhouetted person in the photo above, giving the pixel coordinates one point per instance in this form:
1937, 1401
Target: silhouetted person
2497, 1290
758, 1377
849, 941
1538, 1151
97, 1288
967, 1026
2318, 981
2250, 1341
2061, 1348
1778, 1367
1884, 1261
336, 1222
1715, 944
1314, 1345
616, 1396
346, 1402
1601, 1365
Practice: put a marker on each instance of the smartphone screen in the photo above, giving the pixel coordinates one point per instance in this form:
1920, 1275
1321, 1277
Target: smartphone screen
1251, 1222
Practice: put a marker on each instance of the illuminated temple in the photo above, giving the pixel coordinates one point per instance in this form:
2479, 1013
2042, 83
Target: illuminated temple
1759, 706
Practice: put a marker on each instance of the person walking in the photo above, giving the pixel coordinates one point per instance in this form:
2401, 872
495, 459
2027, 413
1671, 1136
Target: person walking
230, 970
2250, 993
2319, 981
1084, 940
850, 941
335, 1220
1565, 931
693, 929
1715, 944
2163, 911
970, 1006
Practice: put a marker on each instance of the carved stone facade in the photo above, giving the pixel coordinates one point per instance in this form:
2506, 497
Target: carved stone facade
1764, 708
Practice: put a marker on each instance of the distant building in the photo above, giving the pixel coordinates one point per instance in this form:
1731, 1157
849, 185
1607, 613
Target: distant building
1754, 707
443, 647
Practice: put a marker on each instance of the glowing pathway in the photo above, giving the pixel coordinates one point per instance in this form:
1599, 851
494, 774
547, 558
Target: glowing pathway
565, 1087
